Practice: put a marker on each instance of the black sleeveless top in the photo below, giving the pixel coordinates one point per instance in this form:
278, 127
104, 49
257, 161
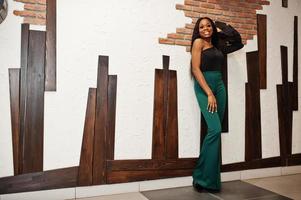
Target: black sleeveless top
212, 59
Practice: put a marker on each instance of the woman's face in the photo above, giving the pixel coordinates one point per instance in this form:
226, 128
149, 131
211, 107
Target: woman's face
205, 28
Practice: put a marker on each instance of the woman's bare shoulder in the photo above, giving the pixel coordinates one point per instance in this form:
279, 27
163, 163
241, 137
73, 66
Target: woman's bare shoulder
198, 44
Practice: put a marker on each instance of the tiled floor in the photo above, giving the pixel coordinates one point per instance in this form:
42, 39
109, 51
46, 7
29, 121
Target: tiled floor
272, 188
289, 185
230, 190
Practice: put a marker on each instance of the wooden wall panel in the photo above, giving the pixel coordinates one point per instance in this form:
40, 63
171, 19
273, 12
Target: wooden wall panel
262, 49
253, 116
147, 164
50, 68
172, 117
285, 3
294, 159
23, 89
165, 117
158, 142
86, 158
129, 176
252, 164
99, 157
34, 113
14, 88
53, 179
110, 139
225, 123
295, 66
284, 100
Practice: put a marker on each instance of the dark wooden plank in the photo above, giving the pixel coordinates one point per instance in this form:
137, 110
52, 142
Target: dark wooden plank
225, 123
99, 157
284, 64
253, 164
253, 115
285, 118
147, 164
282, 123
165, 113
172, 118
262, 49
158, 142
129, 176
285, 121
14, 89
23, 89
86, 158
284, 3
50, 67
295, 66
110, 139
248, 126
34, 113
53, 179
294, 159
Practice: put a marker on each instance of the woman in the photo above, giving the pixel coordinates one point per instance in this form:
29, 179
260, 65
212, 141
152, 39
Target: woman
208, 48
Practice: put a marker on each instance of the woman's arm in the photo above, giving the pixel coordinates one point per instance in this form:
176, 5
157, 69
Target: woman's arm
229, 38
197, 48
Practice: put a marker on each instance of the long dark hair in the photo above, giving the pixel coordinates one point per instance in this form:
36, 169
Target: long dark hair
196, 32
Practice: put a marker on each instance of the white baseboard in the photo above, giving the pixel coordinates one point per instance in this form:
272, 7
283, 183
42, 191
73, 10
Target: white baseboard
57, 194
291, 170
100, 190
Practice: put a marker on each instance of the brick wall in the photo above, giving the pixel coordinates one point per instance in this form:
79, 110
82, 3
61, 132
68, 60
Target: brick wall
241, 14
34, 11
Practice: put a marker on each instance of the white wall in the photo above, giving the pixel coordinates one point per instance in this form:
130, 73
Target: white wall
128, 32
10, 39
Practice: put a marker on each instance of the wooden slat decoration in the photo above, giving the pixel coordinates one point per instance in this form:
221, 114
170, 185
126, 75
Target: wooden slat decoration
172, 117
99, 157
23, 90
53, 179
252, 164
262, 49
158, 142
14, 88
34, 113
284, 101
110, 139
294, 159
253, 117
165, 117
86, 157
147, 164
129, 176
139, 170
50, 68
285, 3
295, 66
166, 74
225, 123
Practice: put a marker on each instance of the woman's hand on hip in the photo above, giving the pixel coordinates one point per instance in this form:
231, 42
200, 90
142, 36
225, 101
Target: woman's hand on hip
212, 105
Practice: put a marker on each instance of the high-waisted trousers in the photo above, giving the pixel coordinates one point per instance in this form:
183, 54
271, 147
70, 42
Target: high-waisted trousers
207, 169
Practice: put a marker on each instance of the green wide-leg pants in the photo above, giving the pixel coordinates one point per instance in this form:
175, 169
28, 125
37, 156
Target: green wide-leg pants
207, 170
